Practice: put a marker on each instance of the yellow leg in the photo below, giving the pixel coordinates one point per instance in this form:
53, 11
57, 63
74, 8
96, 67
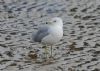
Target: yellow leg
51, 51
46, 52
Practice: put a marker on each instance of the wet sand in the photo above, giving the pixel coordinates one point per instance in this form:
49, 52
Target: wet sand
79, 49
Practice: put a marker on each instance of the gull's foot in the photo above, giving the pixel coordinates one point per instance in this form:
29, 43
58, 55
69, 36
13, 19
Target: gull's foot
52, 58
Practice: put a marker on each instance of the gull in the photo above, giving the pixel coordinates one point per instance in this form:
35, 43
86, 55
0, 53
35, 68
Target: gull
50, 33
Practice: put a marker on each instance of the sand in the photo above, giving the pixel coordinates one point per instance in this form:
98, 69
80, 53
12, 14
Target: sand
79, 49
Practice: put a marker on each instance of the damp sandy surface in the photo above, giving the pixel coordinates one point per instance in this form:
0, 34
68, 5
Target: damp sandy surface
79, 49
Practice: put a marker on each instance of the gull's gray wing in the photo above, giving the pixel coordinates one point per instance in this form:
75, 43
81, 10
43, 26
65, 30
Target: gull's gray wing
41, 33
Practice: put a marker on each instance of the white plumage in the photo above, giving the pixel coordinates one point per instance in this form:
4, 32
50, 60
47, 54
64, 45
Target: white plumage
51, 33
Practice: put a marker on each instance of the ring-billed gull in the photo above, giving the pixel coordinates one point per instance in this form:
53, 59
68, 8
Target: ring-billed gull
51, 33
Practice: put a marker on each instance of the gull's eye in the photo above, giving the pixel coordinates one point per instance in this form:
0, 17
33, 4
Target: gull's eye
54, 20
46, 22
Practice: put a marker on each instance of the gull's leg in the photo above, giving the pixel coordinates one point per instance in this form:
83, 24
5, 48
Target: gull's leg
46, 51
51, 51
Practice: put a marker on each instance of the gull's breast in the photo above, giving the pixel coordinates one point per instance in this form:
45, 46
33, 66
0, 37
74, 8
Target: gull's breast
54, 36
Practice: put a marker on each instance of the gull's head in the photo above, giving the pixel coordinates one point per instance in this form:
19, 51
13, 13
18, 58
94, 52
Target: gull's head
56, 21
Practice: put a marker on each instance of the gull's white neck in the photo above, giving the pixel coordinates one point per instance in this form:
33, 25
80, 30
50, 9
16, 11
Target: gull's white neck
56, 25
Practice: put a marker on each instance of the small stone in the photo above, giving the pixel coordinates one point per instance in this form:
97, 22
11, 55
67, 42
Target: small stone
32, 55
